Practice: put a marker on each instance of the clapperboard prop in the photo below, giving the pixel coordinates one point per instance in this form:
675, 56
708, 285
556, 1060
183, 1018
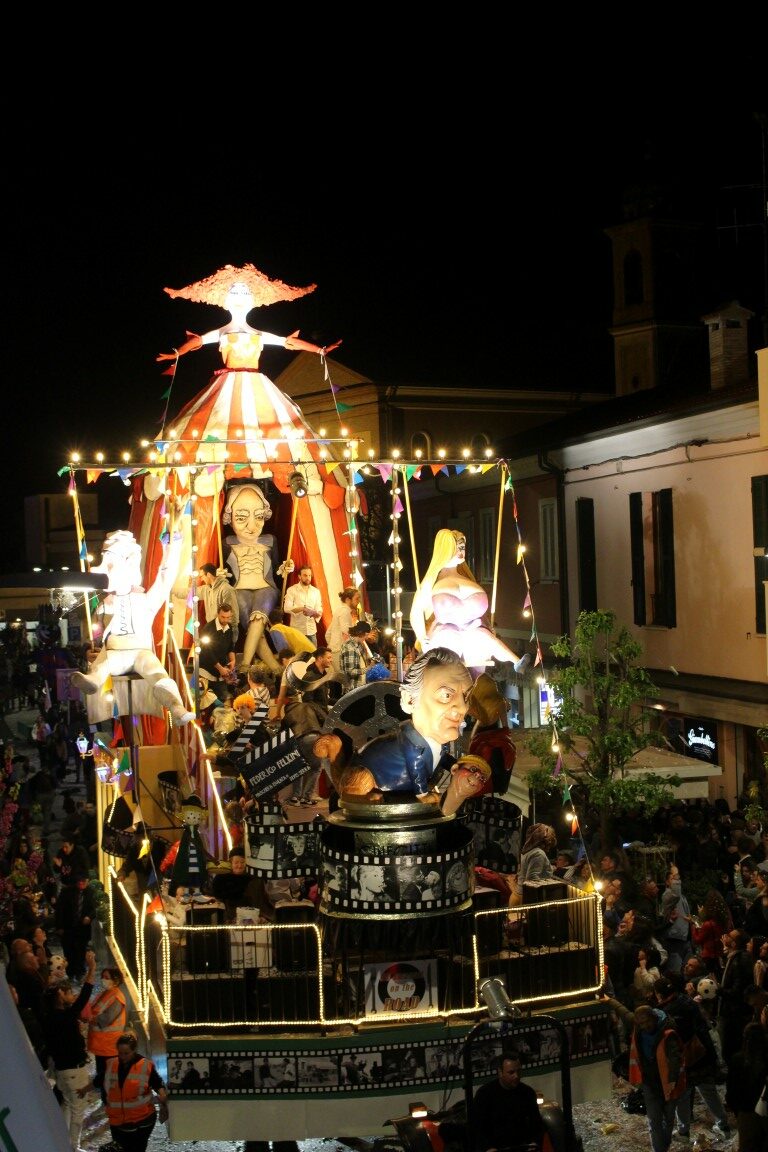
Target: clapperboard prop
272, 764
282, 850
249, 733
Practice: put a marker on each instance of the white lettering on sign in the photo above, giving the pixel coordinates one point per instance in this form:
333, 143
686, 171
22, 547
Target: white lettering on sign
702, 739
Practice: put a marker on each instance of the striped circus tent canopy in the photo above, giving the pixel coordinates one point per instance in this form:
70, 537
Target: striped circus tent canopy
241, 427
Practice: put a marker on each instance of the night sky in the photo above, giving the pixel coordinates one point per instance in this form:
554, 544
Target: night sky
484, 263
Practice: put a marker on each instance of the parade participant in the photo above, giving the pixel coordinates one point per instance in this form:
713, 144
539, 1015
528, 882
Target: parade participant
107, 1018
217, 653
344, 615
128, 639
435, 693
217, 590
449, 607
282, 636
303, 696
257, 694
505, 1111
233, 886
353, 657
304, 605
131, 1082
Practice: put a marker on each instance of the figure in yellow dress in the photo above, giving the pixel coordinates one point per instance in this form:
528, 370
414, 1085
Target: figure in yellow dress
449, 606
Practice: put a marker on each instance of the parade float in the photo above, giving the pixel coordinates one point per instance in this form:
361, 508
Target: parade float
330, 1015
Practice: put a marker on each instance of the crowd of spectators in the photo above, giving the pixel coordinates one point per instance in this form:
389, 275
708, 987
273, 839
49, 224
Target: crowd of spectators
685, 933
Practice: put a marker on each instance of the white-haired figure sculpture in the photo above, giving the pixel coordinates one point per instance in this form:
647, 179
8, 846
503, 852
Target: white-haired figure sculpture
128, 640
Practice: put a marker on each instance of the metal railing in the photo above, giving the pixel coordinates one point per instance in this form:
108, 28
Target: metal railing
210, 977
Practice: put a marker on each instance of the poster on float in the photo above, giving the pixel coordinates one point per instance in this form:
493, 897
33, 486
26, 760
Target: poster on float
401, 986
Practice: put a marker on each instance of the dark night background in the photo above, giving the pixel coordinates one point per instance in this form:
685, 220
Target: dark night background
484, 263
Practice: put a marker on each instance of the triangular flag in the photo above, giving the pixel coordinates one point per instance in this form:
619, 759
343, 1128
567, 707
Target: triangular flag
168, 372
343, 407
125, 763
167, 394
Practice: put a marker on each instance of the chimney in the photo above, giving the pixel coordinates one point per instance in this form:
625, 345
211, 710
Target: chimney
728, 357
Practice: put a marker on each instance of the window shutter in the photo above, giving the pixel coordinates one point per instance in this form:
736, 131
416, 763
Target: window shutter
587, 559
636, 545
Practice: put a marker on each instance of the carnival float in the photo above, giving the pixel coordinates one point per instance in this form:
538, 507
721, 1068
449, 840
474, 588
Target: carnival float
333, 1013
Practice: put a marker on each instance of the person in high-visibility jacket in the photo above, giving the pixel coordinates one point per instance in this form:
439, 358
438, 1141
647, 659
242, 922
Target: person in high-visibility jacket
107, 1017
131, 1081
657, 1065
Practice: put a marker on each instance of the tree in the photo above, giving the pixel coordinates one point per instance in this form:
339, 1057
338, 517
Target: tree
756, 790
599, 688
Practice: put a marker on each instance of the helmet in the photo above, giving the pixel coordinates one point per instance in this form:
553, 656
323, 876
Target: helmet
707, 988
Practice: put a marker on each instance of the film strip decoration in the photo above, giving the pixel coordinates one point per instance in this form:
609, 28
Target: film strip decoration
495, 825
250, 729
396, 885
282, 850
372, 1067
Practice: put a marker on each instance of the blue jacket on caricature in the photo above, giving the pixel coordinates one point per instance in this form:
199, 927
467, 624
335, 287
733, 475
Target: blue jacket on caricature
402, 762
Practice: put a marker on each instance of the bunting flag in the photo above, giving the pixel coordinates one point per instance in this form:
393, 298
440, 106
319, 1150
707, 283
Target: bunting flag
125, 763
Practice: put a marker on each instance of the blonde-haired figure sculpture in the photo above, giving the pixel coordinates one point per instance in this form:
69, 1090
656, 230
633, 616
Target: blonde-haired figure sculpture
449, 606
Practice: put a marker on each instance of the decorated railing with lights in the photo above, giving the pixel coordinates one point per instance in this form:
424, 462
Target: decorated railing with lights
207, 976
